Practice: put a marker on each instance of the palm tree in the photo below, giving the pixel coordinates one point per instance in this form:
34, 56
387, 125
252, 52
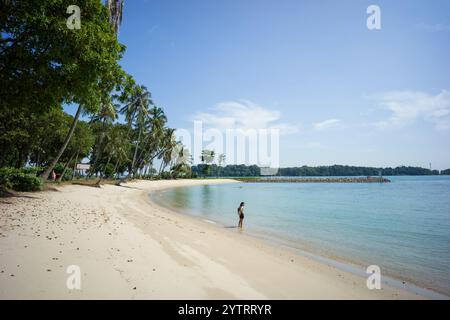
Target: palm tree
221, 160
121, 155
115, 8
136, 113
116, 146
168, 144
52, 165
181, 159
207, 158
152, 140
106, 116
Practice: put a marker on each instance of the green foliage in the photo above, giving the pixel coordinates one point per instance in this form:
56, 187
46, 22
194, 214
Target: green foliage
181, 170
44, 63
20, 179
445, 172
109, 170
214, 170
338, 170
59, 168
306, 171
165, 175
36, 137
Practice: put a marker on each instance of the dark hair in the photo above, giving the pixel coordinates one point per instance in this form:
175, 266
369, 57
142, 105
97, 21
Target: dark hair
241, 204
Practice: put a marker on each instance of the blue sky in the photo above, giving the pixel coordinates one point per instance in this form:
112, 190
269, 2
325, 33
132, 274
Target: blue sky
341, 93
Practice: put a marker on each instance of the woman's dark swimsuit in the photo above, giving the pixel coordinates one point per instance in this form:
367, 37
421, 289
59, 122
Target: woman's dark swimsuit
241, 214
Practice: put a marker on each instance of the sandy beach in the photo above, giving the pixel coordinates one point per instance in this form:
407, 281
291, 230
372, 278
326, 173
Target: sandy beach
128, 247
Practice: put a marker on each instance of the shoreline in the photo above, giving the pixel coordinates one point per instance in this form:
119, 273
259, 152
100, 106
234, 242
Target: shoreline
305, 250
128, 247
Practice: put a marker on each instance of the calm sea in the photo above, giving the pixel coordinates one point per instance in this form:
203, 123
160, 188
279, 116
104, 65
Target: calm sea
402, 226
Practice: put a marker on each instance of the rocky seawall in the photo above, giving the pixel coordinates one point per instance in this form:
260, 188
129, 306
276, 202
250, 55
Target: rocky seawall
317, 180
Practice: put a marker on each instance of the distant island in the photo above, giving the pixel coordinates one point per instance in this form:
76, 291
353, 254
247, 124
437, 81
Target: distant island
213, 170
280, 179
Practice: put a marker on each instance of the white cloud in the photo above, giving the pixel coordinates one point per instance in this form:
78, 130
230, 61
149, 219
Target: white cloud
409, 106
243, 115
327, 124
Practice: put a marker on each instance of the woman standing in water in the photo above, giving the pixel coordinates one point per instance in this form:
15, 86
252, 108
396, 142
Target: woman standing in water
241, 214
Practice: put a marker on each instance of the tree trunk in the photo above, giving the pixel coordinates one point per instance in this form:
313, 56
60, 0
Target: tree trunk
47, 172
161, 167
75, 165
102, 174
135, 153
116, 167
65, 168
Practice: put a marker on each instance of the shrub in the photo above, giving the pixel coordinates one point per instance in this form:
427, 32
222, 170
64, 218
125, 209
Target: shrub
33, 170
109, 171
19, 179
59, 170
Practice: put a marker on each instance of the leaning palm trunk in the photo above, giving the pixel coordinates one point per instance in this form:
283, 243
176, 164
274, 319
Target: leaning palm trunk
100, 147
102, 174
115, 167
163, 165
135, 154
150, 159
52, 165
65, 167
75, 164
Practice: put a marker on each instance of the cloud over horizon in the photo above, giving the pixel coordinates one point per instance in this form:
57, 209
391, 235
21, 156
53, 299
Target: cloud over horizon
327, 124
408, 107
244, 114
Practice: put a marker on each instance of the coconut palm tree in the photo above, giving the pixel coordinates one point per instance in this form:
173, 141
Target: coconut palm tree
136, 114
181, 160
115, 8
220, 160
168, 144
106, 116
153, 137
207, 158
116, 142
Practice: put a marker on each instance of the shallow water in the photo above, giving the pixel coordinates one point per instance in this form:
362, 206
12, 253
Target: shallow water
402, 226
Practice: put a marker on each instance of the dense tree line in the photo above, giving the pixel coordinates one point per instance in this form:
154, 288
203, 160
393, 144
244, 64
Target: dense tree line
339, 170
226, 171
45, 65
446, 172
307, 171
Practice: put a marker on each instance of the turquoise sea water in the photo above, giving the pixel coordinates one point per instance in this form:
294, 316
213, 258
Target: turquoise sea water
402, 226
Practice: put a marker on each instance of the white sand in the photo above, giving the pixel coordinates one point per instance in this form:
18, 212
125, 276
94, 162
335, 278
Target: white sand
130, 248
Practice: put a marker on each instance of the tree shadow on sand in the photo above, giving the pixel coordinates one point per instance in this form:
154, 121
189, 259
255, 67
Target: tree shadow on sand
4, 193
119, 185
